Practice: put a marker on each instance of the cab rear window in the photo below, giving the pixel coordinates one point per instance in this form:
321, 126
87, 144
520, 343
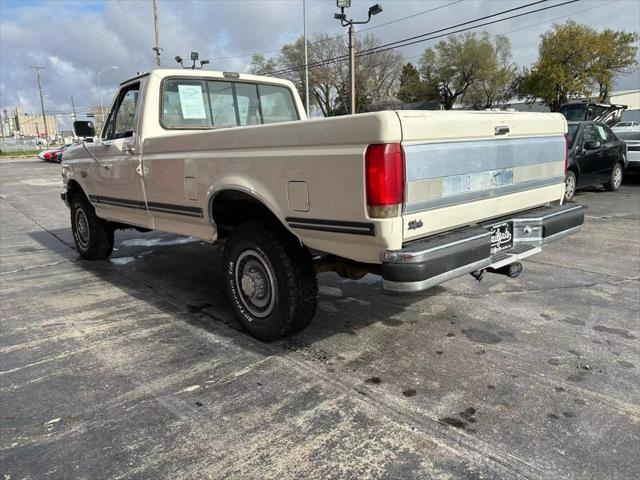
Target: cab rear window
197, 103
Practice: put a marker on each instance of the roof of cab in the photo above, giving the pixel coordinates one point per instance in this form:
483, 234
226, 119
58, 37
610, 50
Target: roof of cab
187, 72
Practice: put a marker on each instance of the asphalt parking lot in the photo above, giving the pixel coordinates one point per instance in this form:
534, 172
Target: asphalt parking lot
135, 368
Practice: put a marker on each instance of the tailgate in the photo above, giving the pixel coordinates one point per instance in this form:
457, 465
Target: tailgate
466, 167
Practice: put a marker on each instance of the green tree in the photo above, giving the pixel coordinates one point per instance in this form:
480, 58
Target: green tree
455, 64
260, 65
573, 59
412, 88
615, 54
494, 85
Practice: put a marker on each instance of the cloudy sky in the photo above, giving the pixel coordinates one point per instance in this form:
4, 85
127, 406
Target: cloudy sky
76, 39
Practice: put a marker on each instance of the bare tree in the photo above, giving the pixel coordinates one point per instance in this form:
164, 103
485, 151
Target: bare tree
377, 74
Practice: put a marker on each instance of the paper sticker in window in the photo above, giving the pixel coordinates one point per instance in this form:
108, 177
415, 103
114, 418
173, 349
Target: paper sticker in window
191, 101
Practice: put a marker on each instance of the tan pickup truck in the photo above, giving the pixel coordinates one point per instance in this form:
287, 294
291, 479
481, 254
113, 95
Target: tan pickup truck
418, 197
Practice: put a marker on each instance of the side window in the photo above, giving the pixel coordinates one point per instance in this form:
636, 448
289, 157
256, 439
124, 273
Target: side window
590, 134
122, 120
605, 137
611, 137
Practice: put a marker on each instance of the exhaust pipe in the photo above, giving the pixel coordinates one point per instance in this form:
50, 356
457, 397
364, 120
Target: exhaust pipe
512, 270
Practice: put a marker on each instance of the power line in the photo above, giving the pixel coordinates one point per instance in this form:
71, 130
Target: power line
409, 16
466, 23
577, 12
400, 44
323, 40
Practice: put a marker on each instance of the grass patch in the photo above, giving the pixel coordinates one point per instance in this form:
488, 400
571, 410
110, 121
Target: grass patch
23, 153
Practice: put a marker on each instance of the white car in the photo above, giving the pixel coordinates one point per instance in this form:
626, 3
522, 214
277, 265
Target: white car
626, 126
632, 139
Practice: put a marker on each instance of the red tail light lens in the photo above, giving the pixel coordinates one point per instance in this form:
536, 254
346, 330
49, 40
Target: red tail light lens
384, 172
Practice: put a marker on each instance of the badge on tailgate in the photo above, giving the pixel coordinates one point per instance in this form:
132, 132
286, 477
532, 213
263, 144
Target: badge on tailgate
501, 236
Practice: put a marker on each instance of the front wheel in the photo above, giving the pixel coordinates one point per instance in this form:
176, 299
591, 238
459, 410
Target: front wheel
271, 281
615, 180
92, 235
570, 183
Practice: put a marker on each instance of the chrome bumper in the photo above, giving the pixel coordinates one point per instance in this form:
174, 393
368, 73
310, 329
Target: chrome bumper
426, 263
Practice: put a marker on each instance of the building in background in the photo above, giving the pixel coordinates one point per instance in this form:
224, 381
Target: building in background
630, 98
32, 125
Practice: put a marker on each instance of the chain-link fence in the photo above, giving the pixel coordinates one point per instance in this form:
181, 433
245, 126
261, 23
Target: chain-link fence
18, 145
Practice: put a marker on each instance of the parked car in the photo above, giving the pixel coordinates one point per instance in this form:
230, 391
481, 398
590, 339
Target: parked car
47, 154
626, 126
418, 197
53, 155
632, 139
596, 156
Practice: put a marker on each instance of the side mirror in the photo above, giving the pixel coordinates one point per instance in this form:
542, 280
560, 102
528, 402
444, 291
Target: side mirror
592, 145
84, 129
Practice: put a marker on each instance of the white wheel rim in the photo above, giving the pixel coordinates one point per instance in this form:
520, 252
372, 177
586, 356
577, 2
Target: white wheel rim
569, 186
617, 176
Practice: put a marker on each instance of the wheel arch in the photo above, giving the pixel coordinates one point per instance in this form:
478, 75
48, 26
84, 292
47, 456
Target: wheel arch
244, 204
74, 188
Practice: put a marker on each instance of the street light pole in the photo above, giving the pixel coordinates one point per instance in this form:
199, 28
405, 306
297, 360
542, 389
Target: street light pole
306, 56
373, 10
100, 91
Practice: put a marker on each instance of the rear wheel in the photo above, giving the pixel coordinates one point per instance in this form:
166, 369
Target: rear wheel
570, 183
615, 180
271, 281
92, 235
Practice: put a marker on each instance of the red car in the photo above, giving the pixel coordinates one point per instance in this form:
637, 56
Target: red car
53, 155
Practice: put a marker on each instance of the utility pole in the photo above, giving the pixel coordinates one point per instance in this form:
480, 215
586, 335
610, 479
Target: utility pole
306, 56
157, 48
352, 67
373, 10
44, 118
73, 109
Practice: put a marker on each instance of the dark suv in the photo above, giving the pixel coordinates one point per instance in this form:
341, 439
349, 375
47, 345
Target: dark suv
596, 156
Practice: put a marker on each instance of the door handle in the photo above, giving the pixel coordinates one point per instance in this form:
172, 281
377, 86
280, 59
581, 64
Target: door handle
127, 148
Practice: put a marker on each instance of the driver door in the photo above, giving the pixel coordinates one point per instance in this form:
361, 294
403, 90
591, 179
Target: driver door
589, 160
118, 180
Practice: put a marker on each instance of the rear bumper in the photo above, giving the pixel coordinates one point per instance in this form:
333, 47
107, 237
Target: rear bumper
425, 263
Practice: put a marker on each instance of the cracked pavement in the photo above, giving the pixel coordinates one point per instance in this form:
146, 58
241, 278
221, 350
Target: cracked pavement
135, 368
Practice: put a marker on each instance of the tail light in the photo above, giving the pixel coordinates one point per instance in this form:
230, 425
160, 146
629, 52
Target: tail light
384, 176
566, 152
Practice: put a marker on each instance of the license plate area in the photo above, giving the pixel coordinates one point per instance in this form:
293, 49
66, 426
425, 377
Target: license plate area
501, 236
